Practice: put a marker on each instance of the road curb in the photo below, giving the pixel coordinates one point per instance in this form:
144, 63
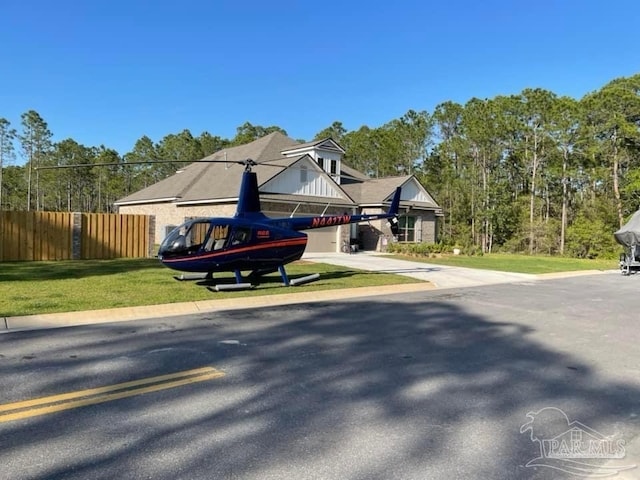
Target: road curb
574, 273
71, 319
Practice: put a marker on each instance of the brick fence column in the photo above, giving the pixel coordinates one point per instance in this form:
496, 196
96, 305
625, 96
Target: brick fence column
76, 246
152, 235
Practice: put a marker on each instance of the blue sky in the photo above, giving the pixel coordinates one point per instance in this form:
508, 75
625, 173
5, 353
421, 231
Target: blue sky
109, 72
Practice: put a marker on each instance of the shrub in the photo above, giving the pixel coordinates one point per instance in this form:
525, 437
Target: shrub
591, 238
420, 249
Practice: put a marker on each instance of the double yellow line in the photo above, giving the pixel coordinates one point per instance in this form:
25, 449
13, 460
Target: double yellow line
92, 396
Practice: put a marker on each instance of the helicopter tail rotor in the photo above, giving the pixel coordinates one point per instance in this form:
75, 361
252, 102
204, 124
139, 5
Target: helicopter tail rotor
394, 223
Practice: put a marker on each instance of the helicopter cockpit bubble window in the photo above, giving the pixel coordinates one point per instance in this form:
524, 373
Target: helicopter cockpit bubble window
185, 239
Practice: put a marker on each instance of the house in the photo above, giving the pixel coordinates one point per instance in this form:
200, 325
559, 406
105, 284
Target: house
294, 179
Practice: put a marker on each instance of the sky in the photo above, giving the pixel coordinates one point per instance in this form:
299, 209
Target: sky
109, 72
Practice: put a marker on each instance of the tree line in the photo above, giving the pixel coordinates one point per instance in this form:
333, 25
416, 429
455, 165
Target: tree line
531, 172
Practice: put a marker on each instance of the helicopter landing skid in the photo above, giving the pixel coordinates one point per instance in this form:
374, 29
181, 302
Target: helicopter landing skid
239, 285
309, 278
296, 281
224, 287
197, 276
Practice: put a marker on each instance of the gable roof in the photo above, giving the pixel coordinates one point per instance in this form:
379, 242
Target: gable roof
208, 182
316, 181
322, 144
203, 180
376, 191
269, 147
351, 174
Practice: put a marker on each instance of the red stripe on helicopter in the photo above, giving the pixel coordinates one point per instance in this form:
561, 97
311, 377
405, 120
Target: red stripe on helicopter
239, 249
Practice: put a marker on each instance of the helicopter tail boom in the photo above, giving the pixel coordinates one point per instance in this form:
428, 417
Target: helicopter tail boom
308, 223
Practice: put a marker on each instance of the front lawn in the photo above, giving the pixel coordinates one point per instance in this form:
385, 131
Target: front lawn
517, 263
28, 288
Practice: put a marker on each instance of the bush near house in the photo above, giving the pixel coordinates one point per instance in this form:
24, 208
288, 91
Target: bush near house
422, 249
583, 242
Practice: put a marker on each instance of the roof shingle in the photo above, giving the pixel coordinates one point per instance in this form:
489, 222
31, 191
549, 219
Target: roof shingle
204, 180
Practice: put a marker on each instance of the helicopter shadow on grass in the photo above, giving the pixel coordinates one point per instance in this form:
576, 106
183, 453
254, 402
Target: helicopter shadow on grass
73, 269
274, 280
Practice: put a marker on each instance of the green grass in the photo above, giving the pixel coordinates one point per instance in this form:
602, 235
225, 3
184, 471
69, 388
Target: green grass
28, 288
518, 263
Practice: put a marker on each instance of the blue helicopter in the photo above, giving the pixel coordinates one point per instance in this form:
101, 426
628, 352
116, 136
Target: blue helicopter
250, 241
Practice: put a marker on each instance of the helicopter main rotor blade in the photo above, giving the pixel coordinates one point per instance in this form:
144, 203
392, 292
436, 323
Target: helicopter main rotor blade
247, 163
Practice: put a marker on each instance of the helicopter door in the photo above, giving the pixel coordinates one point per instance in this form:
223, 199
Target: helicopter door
218, 235
240, 236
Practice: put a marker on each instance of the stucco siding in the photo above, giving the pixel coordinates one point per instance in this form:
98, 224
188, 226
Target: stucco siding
164, 213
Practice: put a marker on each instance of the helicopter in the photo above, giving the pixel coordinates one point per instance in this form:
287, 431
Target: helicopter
251, 241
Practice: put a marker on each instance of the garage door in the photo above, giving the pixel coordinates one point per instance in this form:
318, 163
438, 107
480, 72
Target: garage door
322, 239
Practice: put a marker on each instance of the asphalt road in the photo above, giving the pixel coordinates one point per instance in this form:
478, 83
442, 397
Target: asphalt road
429, 385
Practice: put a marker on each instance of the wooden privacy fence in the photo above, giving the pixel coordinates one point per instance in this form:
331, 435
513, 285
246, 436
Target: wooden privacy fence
66, 235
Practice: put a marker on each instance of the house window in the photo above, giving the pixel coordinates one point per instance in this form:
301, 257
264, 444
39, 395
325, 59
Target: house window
321, 162
334, 167
303, 174
407, 229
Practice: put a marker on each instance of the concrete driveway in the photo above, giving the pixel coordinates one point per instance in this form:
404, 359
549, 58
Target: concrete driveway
440, 276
